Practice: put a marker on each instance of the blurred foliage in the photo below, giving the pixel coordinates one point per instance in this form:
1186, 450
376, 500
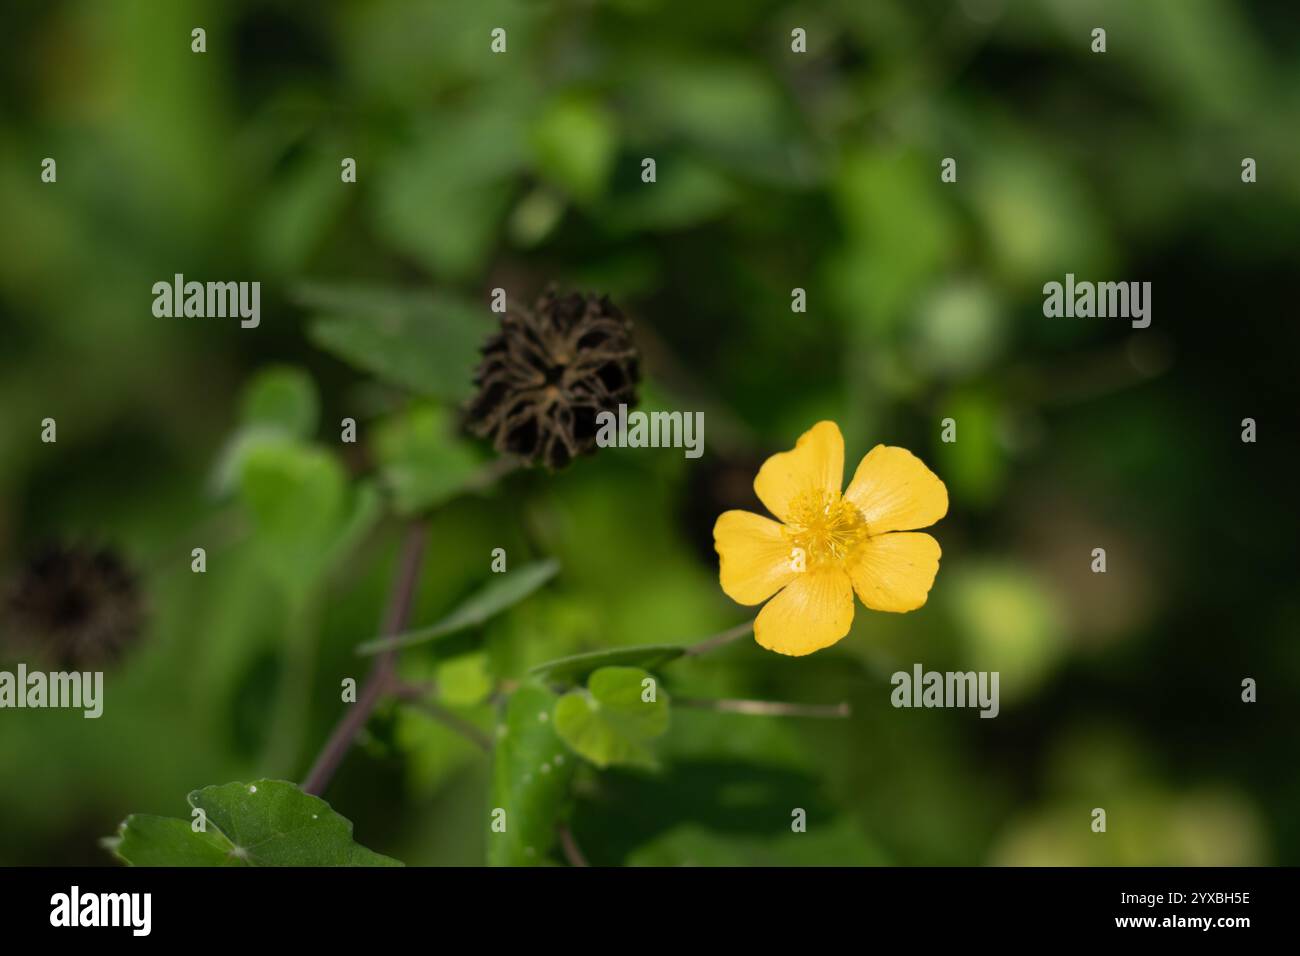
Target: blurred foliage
775, 171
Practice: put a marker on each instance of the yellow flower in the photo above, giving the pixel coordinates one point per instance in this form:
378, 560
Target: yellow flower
828, 545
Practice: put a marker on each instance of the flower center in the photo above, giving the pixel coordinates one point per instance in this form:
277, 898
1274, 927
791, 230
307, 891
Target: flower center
826, 528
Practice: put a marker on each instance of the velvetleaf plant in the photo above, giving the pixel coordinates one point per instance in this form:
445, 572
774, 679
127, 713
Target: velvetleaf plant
542, 378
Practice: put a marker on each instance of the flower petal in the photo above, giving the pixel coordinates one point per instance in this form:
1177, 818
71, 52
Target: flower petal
814, 611
754, 557
894, 572
815, 465
896, 492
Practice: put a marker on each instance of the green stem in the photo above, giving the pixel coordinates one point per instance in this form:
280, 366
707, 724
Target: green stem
720, 639
768, 708
289, 727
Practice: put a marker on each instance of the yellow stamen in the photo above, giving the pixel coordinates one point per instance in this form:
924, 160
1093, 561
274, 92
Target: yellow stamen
826, 528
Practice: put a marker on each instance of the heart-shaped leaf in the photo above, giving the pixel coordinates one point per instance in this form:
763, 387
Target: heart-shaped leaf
265, 823
615, 718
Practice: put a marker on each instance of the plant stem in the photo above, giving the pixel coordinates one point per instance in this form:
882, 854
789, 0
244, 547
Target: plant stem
768, 708
572, 852
720, 639
385, 666
416, 696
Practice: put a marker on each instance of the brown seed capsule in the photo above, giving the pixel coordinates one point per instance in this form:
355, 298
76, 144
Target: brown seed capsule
77, 607
548, 372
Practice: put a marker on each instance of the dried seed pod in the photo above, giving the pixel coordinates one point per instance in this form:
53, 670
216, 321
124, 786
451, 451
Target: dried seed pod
548, 372
78, 607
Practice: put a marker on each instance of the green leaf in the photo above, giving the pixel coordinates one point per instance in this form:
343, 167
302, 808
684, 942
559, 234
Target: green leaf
298, 498
504, 591
296, 212
422, 462
423, 341
367, 508
728, 106
265, 823
574, 141
282, 398
688, 192
463, 164
464, 681
610, 722
530, 780
578, 666
279, 404
239, 446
